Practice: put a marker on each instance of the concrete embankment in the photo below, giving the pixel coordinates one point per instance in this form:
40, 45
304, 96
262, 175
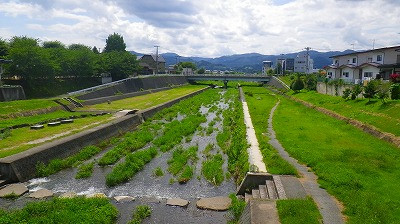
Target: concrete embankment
22, 166
135, 85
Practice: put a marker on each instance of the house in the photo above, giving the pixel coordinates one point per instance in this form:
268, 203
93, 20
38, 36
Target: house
303, 63
187, 71
371, 64
149, 64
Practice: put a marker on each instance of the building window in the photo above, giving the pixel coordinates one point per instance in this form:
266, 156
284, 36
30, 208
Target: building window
345, 74
336, 62
329, 74
367, 74
379, 58
369, 60
354, 60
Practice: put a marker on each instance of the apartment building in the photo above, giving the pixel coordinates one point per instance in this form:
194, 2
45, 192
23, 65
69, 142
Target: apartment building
303, 63
366, 65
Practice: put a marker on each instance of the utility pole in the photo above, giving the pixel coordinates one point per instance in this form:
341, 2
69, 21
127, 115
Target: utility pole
177, 59
353, 46
307, 65
373, 44
156, 58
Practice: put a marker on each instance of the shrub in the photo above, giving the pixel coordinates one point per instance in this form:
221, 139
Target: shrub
298, 84
357, 89
395, 91
383, 90
370, 90
395, 78
346, 93
311, 82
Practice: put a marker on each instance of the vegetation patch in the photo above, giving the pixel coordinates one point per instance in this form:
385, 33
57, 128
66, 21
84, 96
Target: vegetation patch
212, 169
132, 141
355, 167
236, 208
298, 211
141, 212
19, 106
158, 172
133, 163
178, 164
56, 165
57, 210
85, 170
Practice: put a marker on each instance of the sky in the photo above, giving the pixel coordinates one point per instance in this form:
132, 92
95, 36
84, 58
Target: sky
208, 28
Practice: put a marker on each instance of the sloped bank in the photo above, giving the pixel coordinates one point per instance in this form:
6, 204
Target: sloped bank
22, 166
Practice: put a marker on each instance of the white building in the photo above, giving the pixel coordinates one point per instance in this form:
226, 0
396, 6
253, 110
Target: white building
303, 63
266, 66
359, 66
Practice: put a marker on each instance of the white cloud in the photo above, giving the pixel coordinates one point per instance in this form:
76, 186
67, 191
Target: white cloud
211, 27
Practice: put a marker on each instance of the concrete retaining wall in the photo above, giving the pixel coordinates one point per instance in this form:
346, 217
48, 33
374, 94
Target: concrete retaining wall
10, 93
22, 166
330, 89
277, 83
135, 85
124, 96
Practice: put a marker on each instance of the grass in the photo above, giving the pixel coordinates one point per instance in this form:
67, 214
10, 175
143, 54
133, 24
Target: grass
212, 169
286, 79
19, 137
11, 196
361, 171
85, 170
57, 210
56, 165
19, 106
208, 149
260, 105
232, 139
178, 164
236, 208
384, 116
148, 100
132, 141
141, 212
31, 120
176, 130
298, 211
158, 172
133, 163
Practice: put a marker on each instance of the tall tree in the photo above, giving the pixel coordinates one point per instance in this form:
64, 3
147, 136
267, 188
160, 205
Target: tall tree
119, 64
53, 44
24, 41
78, 47
95, 50
3, 48
115, 42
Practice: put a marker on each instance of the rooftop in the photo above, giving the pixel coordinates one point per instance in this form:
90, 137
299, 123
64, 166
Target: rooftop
359, 52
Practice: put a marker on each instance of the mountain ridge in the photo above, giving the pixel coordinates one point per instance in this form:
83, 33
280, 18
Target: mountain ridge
247, 62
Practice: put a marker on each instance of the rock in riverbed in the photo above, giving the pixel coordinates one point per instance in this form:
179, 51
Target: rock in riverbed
14, 190
42, 193
215, 203
177, 202
124, 198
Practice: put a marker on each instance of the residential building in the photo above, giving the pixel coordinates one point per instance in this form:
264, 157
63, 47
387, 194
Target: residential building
280, 65
303, 63
149, 62
266, 66
371, 64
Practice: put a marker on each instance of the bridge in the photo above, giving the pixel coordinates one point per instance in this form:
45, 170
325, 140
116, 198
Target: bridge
225, 78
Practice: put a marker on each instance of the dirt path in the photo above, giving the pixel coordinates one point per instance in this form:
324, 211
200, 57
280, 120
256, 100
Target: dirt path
328, 206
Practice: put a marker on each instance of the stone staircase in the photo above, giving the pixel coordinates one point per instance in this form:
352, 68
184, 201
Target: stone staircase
3, 181
272, 189
76, 103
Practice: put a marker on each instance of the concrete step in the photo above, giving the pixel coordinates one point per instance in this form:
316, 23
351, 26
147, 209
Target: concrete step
255, 193
247, 197
279, 187
3, 182
271, 189
263, 191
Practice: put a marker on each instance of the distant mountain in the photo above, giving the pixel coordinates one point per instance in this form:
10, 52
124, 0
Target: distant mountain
250, 62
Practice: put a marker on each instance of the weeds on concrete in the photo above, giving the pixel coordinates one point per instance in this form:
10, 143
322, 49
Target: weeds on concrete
56, 165
133, 163
236, 208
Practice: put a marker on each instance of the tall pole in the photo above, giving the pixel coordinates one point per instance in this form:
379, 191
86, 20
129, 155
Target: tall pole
156, 58
307, 65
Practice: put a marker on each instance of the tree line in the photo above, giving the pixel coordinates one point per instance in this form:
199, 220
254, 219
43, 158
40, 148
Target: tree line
35, 60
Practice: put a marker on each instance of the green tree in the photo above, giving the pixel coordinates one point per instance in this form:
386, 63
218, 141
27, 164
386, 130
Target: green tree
311, 82
95, 50
3, 48
53, 44
78, 47
357, 89
270, 71
119, 64
370, 90
115, 42
383, 90
201, 71
298, 84
23, 41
